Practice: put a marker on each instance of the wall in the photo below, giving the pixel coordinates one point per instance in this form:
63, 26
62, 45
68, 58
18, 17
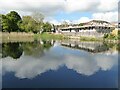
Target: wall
91, 32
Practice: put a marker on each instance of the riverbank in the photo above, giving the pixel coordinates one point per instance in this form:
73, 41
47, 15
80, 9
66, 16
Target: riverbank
50, 36
16, 37
22, 36
61, 36
29, 37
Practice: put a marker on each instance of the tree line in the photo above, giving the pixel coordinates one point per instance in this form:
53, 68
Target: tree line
12, 22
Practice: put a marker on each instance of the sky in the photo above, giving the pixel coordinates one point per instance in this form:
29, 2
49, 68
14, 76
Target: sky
72, 11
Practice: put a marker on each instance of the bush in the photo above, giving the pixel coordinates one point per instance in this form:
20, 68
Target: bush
105, 36
111, 36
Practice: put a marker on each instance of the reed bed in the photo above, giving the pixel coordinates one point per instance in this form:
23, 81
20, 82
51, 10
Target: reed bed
16, 36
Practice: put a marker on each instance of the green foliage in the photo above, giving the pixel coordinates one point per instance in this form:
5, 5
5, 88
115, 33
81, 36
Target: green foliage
30, 25
105, 36
118, 34
5, 24
49, 36
27, 24
10, 22
47, 27
111, 36
14, 16
0, 22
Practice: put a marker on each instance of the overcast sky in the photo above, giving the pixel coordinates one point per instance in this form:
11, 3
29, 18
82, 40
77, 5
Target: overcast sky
56, 11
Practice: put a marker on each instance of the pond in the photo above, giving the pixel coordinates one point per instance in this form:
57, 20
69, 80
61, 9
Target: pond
59, 64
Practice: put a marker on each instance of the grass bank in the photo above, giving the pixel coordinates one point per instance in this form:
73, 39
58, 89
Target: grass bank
112, 37
49, 36
61, 36
21, 36
16, 36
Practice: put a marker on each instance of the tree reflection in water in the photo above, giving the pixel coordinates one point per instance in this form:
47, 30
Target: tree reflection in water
15, 50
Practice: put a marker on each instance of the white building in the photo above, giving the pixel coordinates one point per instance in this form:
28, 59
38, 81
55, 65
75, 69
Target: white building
95, 28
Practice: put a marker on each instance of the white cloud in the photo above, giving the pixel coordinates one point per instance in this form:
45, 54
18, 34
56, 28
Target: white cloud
108, 16
81, 20
81, 65
55, 22
52, 21
108, 5
47, 6
106, 63
101, 9
81, 5
94, 5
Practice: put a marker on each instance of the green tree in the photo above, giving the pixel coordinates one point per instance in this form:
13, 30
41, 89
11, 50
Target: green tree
5, 24
47, 27
10, 22
15, 19
14, 16
38, 17
29, 25
0, 22
26, 24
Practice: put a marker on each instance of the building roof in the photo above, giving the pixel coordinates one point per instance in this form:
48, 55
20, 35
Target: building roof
90, 23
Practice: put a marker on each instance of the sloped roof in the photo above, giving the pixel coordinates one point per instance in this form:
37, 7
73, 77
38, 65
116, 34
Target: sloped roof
97, 22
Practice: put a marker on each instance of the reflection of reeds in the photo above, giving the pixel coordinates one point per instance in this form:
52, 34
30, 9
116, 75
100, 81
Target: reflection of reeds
90, 39
17, 37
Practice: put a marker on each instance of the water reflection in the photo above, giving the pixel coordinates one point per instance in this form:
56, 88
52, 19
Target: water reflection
15, 50
0, 74
92, 47
28, 60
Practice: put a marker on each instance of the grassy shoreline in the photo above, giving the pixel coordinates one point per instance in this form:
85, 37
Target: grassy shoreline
50, 36
14, 36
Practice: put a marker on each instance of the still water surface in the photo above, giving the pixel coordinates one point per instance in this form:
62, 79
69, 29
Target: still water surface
57, 64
